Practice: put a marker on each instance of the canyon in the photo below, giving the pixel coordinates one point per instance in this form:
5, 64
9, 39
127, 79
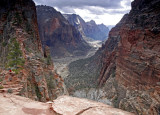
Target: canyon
127, 68
26, 69
50, 61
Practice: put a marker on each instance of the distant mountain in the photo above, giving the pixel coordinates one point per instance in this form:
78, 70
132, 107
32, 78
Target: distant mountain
88, 29
76, 21
61, 37
110, 26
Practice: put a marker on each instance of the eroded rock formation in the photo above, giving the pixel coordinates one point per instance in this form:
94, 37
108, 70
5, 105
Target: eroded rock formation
131, 64
24, 68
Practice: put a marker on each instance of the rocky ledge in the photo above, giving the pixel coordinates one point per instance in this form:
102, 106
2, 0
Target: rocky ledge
64, 105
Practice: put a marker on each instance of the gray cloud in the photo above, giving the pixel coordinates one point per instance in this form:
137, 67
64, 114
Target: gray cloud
128, 3
66, 9
102, 11
93, 7
81, 3
97, 7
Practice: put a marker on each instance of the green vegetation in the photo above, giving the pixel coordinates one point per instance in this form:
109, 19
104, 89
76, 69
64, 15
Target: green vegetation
10, 91
136, 21
113, 73
4, 44
28, 49
38, 92
116, 102
15, 59
1, 87
49, 60
1, 80
28, 27
50, 83
83, 74
18, 18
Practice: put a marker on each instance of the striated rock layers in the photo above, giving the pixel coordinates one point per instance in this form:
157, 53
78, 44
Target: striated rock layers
88, 29
64, 105
56, 32
24, 68
131, 60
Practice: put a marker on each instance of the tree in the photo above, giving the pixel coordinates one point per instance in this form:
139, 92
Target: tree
15, 59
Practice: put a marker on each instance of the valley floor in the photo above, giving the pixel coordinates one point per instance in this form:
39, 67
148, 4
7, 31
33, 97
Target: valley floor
61, 65
62, 68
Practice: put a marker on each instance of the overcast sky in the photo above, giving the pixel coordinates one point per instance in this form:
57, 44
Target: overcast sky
108, 12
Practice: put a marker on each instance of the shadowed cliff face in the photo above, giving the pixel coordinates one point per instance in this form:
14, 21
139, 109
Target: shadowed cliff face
88, 29
23, 68
61, 37
132, 61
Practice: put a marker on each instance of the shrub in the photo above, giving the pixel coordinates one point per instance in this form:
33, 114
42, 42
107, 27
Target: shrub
4, 44
28, 50
51, 83
48, 60
113, 73
39, 96
115, 102
10, 91
28, 27
18, 18
136, 21
1, 80
1, 87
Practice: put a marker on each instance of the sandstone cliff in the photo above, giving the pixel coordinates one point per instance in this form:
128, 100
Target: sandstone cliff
131, 65
88, 29
61, 37
24, 68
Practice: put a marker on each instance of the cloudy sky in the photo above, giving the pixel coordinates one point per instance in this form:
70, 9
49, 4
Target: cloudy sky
108, 12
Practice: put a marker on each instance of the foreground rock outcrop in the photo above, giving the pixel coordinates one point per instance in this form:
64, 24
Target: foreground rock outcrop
62, 38
64, 105
25, 69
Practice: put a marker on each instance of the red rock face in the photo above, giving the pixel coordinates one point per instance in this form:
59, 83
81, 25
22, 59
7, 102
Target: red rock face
52, 26
109, 54
139, 52
61, 37
36, 79
136, 58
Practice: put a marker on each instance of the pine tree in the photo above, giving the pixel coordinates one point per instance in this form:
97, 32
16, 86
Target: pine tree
15, 59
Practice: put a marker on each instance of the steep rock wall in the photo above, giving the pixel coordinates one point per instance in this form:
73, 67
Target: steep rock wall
62, 38
24, 69
131, 71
